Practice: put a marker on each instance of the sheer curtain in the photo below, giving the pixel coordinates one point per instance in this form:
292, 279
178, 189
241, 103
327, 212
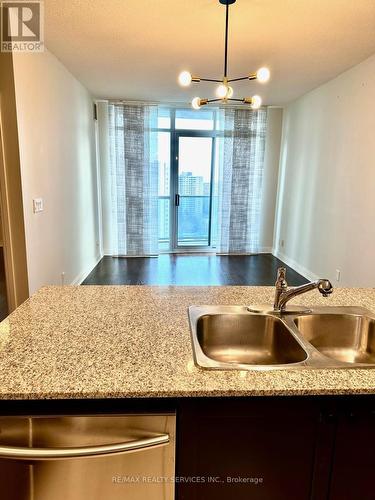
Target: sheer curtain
134, 179
241, 155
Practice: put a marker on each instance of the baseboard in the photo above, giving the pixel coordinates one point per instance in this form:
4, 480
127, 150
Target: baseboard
83, 275
295, 265
212, 251
261, 250
265, 250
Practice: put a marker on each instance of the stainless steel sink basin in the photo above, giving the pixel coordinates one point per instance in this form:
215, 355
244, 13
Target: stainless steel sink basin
343, 337
247, 338
235, 338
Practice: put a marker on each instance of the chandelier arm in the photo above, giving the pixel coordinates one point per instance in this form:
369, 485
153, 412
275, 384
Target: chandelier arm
238, 79
214, 100
226, 40
209, 80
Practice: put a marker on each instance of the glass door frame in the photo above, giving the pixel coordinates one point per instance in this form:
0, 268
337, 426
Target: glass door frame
175, 138
174, 135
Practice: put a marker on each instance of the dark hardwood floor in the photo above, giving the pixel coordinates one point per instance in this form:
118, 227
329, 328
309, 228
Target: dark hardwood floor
191, 269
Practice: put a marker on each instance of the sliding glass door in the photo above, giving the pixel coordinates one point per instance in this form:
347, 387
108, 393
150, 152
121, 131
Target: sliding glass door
193, 191
186, 144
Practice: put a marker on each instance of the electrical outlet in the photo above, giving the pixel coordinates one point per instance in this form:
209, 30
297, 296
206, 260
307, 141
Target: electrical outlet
338, 274
38, 205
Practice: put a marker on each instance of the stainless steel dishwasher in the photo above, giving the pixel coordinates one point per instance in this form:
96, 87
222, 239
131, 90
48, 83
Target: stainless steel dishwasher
87, 457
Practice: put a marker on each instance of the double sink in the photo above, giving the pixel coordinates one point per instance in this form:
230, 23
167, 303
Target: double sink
234, 338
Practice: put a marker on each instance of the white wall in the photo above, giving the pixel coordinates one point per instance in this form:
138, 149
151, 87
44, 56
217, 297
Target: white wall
326, 196
58, 164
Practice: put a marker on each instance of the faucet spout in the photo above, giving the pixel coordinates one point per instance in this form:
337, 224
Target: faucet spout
283, 294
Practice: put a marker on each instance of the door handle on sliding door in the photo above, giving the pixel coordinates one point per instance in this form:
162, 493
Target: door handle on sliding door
177, 200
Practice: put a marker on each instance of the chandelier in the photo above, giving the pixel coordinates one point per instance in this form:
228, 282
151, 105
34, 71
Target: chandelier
224, 91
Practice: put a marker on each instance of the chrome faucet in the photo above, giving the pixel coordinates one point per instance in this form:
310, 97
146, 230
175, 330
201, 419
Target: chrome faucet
283, 294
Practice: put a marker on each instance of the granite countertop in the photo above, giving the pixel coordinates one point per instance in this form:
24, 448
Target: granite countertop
134, 341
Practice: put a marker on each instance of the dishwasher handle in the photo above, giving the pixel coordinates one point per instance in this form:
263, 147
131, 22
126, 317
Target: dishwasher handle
24, 453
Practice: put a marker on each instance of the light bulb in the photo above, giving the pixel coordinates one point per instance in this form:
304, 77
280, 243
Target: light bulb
221, 91
184, 78
224, 91
256, 102
196, 103
263, 75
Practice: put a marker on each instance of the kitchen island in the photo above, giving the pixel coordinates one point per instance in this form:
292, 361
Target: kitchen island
92, 342
126, 350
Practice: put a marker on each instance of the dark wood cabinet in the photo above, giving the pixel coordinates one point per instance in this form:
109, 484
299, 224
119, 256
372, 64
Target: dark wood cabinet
353, 462
276, 449
258, 449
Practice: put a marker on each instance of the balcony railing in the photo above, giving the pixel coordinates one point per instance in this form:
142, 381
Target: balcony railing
193, 221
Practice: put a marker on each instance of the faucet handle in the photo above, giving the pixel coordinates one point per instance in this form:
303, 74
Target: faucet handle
325, 287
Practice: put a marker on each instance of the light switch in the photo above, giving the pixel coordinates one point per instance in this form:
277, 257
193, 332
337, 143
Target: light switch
37, 205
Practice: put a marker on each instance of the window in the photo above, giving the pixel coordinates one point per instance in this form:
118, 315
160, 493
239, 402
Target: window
164, 118
186, 143
189, 119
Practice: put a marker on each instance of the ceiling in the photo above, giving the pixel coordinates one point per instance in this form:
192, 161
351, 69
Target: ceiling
134, 49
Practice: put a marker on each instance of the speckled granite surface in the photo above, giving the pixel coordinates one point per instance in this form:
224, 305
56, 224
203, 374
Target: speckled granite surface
134, 341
